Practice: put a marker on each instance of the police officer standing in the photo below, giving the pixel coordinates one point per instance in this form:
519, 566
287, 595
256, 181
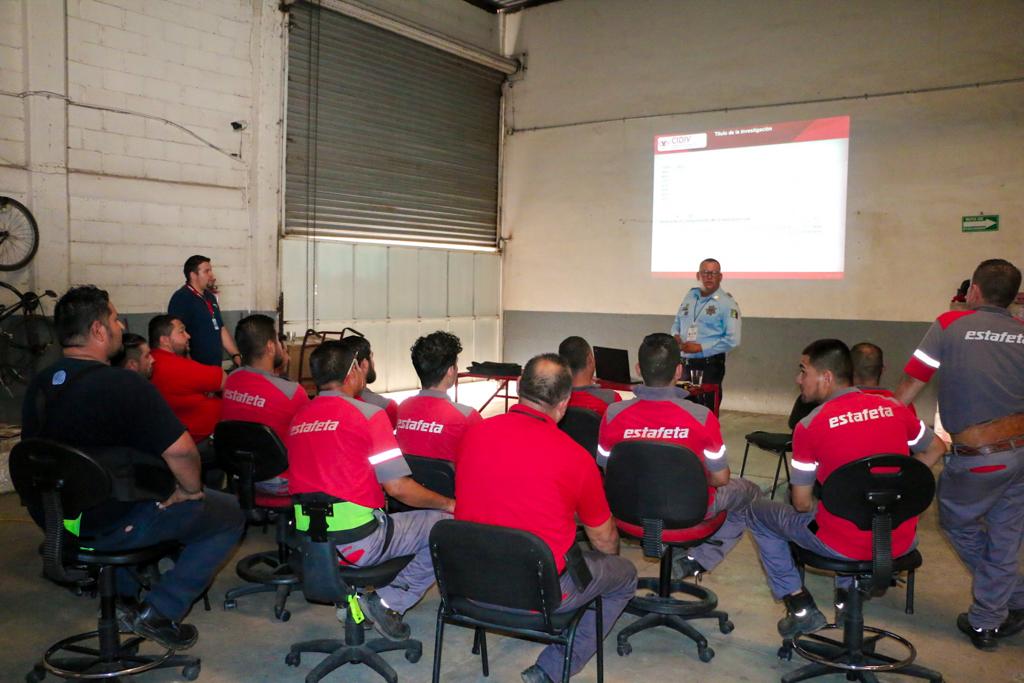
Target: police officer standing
707, 324
979, 355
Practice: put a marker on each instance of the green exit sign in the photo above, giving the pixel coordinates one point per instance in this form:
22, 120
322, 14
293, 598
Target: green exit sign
985, 223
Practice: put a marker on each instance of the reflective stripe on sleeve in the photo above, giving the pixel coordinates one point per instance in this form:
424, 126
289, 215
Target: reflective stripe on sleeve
386, 455
715, 455
919, 435
603, 452
926, 359
804, 466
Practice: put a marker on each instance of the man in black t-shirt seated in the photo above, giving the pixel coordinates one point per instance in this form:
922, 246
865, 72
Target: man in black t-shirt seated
84, 402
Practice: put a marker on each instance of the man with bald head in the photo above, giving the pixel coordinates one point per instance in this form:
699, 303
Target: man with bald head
519, 470
868, 364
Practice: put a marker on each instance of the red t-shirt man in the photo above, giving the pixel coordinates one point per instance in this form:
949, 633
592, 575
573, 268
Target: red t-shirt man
431, 425
593, 397
188, 388
519, 470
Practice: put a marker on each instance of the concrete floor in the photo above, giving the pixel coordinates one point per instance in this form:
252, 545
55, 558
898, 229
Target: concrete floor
247, 644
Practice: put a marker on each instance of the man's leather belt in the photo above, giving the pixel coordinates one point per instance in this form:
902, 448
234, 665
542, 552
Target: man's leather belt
989, 449
987, 434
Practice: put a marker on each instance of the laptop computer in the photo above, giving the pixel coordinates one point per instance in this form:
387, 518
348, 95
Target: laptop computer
612, 365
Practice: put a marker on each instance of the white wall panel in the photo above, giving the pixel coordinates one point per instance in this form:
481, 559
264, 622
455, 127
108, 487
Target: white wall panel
460, 283
486, 284
487, 340
333, 281
403, 283
433, 279
371, 282
293, 279
401, 335
465, 330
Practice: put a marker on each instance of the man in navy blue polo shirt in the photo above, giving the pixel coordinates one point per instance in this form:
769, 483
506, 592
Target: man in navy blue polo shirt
197, 307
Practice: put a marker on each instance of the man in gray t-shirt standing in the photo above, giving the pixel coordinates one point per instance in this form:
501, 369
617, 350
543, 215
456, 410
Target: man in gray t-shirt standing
979, 354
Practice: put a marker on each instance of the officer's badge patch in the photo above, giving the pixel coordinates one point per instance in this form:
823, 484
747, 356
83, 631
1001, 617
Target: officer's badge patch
712, 310
735, 314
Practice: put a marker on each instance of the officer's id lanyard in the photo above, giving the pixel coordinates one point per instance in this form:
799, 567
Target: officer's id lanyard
209, 306
691, 331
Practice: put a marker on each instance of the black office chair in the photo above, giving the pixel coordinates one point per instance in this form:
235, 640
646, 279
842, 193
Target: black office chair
780, 444
323, 581
251, 452
877, 494
582, 425
496, 578
64, 482
658, 494
431, 473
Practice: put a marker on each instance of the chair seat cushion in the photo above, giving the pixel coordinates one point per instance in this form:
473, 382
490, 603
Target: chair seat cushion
128, 557
509, 619
265, 500
911, 560
771, 441
690, 535
378, 575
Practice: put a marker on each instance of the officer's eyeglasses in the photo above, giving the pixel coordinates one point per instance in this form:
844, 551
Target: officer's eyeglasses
709, 273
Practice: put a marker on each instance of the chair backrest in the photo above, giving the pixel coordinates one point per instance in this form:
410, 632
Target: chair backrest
878, 494
582, 425
431, 473
317, 558
250, 451
495, 565
63, 482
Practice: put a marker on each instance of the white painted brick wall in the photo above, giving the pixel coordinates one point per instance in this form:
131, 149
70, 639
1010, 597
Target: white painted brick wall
12, 110
142, 209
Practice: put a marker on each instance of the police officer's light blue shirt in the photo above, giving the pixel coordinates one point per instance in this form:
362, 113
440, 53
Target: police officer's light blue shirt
717, 318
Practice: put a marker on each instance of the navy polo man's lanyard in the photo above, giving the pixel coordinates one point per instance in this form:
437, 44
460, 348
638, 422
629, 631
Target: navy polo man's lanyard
209, 306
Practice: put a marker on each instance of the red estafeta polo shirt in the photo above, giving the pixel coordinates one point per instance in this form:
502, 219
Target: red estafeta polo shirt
849, 426
256, 396
659, 414
187, 387
344, 448
879, 391
519, 470
388, 405
593, 398
431, 425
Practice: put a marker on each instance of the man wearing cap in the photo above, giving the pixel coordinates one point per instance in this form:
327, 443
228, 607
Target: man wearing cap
979, 356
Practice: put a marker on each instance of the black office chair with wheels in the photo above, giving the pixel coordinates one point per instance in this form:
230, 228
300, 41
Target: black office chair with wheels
582, 425
658, 494
779, 444
323, 581
496, 578
64, 482
876, 494
252, 452
431, 473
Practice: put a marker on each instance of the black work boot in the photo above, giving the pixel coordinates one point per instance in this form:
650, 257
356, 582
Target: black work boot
386, 621
802, 616
149, 623
982, 638
684, 566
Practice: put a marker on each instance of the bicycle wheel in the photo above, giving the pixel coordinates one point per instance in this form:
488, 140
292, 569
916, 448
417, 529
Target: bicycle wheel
19, 235
31, 345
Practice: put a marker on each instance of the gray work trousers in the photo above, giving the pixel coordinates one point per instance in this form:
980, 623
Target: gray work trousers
735, 497
981, 509
614, 579
411, 536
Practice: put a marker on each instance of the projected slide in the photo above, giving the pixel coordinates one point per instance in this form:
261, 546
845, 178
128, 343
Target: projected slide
768, 201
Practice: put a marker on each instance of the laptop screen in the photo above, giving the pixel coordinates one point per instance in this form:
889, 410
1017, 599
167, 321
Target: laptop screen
612, 364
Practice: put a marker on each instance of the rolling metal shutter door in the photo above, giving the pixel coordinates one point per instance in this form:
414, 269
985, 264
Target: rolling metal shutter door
388, 138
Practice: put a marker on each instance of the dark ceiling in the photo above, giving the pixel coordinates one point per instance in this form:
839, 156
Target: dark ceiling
505, 6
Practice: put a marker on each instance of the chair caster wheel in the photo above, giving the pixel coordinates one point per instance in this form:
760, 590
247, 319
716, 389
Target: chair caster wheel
413, 655
282, 614
624, 649
37, 674
726, 626
292, 659
190, 673
785, 652
705, 654
230, 604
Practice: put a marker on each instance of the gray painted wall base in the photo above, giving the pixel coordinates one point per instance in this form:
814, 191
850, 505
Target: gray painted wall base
760, 374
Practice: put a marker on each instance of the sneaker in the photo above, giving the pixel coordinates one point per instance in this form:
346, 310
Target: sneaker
149, 623
981, 638
1013, 624
684, 567
535, 674
386, 621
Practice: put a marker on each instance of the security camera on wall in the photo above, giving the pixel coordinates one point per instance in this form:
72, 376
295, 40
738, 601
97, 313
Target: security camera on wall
239, 125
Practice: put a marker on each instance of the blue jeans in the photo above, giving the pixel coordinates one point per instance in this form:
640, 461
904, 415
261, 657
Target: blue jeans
208, 531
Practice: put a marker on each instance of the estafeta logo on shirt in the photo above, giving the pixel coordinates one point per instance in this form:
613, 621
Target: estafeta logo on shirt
421, 426
859, 416
656, 433
990, 335
314, 426
244, 398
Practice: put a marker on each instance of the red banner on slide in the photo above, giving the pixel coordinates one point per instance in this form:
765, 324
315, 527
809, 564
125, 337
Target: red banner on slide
833, 128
